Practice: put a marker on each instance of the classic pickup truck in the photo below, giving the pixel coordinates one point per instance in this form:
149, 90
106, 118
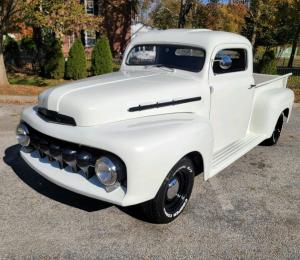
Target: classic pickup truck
184, 102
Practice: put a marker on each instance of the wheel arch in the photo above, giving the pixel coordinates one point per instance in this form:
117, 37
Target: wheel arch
268, 107
197, 160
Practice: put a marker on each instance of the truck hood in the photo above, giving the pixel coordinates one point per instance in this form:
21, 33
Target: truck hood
108, 98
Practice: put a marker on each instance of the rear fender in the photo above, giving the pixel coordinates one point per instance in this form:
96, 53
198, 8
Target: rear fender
268, 106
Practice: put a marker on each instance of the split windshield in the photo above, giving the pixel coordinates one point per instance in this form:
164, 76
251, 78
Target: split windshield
170, 56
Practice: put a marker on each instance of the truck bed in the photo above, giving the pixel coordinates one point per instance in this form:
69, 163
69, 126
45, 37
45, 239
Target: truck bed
265, 79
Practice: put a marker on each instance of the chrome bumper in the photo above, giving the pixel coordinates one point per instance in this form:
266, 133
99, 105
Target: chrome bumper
75, 182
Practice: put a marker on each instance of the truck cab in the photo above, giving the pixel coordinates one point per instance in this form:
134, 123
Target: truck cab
184, 102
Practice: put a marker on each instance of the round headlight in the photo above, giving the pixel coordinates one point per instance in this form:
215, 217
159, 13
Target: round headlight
106, 171
22, 134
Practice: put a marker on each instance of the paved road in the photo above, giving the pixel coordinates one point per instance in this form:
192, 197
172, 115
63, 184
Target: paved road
251, 210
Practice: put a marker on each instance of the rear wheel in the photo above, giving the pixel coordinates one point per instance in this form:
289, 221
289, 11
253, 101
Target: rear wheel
276, 133
173, 195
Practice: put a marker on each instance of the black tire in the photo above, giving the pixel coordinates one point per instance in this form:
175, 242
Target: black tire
276, 133
164, 208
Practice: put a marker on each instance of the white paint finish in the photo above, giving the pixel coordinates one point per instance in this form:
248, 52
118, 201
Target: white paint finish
148, 158
107, 99
269, 104
235, 150
231, 100
150, 142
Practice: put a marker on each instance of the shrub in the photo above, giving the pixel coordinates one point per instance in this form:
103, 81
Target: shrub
76, 63
54, 66
28, 45
102, 57
268, 64
11, 52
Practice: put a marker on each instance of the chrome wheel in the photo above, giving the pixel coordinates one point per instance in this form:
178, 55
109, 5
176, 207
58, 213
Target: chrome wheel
177, 191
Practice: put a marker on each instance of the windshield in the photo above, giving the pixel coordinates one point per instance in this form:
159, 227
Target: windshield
171, 56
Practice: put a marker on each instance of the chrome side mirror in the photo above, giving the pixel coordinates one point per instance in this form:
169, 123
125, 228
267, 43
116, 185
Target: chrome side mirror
225, 62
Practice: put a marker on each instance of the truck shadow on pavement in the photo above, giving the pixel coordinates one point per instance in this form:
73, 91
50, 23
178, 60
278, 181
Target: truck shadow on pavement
47, 188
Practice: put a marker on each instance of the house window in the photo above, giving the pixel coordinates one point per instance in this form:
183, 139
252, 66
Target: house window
90, 38
89, 5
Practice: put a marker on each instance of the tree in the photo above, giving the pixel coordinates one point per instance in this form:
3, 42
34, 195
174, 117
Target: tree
261, 27
185, 7
61, 17
289, 19
163, 18
11, 52
221, 17
268, 64
55, 62
11, 12
76, 63
102, 57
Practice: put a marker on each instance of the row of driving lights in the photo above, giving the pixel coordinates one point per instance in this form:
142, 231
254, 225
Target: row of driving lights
109, 171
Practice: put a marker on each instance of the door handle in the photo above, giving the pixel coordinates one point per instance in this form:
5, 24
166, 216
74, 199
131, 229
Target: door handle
252, 86
211, 89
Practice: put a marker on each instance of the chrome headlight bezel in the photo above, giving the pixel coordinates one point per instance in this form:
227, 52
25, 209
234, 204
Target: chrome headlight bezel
109, 172
22, 135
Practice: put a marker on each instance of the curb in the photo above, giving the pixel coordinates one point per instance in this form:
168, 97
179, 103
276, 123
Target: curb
18, 99
296, 104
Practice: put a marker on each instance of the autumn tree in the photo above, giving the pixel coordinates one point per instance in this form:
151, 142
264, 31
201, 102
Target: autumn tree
221, 17
261, 27
172, 14
185, 8
61, 17
11, 12
163, 17
288, 21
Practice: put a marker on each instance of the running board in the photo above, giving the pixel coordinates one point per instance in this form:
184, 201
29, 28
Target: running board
232, 152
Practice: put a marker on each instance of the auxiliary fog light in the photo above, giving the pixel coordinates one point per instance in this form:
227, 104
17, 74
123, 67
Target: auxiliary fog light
108, 172
22, 134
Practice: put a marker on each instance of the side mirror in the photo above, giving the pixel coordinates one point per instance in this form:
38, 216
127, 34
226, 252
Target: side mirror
225, 62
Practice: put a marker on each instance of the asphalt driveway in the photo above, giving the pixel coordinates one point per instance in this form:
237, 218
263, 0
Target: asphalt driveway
251, 210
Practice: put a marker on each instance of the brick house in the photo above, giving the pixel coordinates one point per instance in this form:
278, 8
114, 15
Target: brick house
116, 25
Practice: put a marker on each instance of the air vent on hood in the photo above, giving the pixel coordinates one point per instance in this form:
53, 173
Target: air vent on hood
54, 117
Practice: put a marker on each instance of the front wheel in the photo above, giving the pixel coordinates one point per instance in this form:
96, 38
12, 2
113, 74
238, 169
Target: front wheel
173, 194
276, 133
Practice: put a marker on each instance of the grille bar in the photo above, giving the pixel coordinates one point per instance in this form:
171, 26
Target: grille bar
55, 117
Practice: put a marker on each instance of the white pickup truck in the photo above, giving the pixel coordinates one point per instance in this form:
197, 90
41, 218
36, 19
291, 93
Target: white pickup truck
184, 102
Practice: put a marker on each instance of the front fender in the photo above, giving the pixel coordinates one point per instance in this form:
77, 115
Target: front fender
149, 146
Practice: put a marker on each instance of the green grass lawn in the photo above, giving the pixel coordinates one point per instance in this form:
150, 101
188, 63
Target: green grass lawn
33, 80
294, 82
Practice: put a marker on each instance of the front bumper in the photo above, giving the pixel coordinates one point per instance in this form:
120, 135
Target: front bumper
72, 181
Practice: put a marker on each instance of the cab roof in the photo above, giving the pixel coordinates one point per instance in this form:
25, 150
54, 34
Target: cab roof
198, 37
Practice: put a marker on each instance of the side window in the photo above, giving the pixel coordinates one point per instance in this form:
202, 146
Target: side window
230, 60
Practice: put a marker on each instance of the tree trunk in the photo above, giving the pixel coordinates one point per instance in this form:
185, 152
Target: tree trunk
3, 76
256, 13
294, 48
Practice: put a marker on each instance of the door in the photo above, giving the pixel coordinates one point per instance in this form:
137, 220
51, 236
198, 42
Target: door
231, 82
